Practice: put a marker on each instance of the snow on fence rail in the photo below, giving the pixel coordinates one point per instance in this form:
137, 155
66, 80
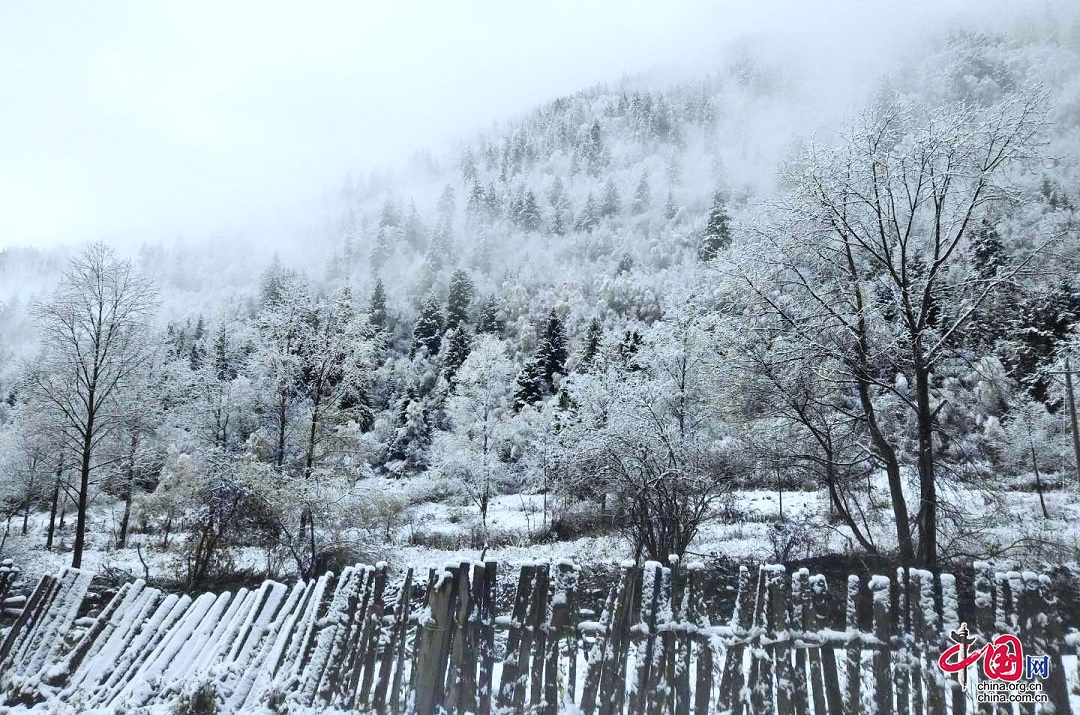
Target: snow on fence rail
11, 605
365, 642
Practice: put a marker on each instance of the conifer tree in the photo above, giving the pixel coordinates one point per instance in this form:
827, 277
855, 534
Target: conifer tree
593, 150
530, 384
488, 320
529, 212
558, 225
459, 299
389, 215
628, 349
642, 193
557, 193
468, 167
671, 206
987, 249
591, 349
414, 231
717, 234
610, 206
224, 368
446, 206
474, 204
198, 347
552, 351
377, 307
458, 343
382, 248
408, 448
427, 334
590, 215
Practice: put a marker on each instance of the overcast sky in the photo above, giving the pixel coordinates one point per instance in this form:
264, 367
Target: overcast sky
120, 120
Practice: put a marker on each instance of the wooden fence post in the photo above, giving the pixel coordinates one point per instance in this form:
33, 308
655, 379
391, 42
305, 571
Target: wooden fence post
798, 629
538, 625
459, 656
852, 693
827, 696
487, 636
432, 640
902, 634
698, 640
434, 576
561, 628
933, 677
778, 631
373, 635
759, 681
882, 657
644, 648
950, 619
685, 634
613, 676
732, 677
1041, 612
663, 679
985, 608
598, 654
509, 685
394, 650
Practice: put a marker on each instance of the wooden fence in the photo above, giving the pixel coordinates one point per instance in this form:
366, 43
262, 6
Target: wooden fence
363, 641
11, 604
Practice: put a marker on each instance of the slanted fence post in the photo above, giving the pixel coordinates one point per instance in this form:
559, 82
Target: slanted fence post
853, 666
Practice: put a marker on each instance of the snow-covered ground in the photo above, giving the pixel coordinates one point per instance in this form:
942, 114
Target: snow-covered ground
434, 533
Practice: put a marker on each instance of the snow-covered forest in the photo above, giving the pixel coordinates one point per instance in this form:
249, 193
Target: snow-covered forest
716, 317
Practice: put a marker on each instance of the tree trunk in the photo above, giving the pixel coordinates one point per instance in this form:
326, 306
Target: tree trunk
1038, 482
121, 542
52, 510
282, 409
928, 506
836, 504
129, 488
165, 532
80, 515
882, 446
887, 454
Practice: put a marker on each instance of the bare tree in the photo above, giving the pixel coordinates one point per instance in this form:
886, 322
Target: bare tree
95, 340
871, 271
648, 433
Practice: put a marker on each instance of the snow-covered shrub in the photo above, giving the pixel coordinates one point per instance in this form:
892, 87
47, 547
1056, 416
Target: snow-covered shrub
792, 538
198, 697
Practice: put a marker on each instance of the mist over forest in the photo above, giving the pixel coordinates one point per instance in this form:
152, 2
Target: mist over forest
789, 304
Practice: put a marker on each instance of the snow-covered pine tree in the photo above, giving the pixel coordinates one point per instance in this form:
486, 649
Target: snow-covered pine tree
642, 195
611, 204
531, 384
488, 320
552, 351
377, 306
590, 215
427, 333
717, 234
459, 299
591, 348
